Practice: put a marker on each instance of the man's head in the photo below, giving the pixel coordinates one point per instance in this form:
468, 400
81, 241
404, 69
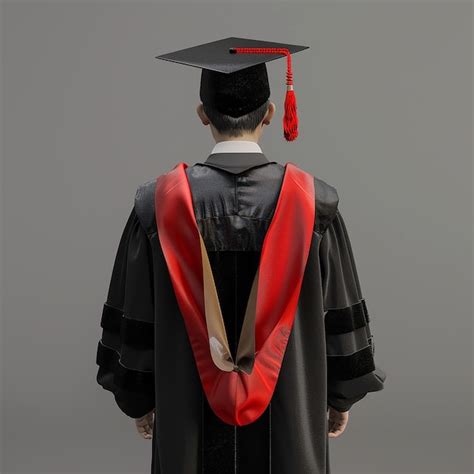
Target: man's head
234, 85
236, 104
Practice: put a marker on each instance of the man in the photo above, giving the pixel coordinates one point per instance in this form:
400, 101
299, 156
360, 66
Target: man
235, 331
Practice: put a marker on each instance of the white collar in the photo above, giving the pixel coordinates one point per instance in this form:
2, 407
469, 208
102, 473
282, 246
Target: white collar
236, 146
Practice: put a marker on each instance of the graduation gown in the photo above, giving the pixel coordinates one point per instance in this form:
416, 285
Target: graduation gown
235, 311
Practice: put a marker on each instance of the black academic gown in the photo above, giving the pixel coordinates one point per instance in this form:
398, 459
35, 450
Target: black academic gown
145, 358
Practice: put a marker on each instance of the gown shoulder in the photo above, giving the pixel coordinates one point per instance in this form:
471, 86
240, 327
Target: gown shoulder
327, 200
145, 205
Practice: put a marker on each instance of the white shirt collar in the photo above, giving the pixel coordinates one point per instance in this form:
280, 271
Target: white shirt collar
236, 146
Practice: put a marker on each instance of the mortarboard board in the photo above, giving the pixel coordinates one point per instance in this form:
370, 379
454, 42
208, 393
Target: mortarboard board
234, 76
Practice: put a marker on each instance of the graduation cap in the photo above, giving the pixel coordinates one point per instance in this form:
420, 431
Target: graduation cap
234, 77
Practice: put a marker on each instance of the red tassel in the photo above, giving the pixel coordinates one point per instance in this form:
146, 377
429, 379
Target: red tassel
290, 117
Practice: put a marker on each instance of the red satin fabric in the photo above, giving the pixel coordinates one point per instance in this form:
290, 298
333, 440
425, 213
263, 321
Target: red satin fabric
238, 398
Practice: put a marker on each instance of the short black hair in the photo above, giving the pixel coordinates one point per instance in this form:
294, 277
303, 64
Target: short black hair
235, 126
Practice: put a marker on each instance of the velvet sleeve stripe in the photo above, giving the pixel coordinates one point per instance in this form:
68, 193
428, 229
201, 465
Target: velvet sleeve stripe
343, 320
351, 366
133, 332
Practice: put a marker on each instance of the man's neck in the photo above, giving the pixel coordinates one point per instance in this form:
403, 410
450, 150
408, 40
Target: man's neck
238, 139
236, 146
245, 137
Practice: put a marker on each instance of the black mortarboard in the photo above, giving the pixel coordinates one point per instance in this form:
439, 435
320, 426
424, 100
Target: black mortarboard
234, 76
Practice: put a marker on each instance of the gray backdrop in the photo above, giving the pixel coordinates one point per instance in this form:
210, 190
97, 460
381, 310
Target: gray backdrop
385, 103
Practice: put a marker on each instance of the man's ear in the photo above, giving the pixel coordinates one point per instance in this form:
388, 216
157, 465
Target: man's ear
202, 115
269, 115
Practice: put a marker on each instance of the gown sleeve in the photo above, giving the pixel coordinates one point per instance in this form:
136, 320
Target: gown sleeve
350, 347
125, 352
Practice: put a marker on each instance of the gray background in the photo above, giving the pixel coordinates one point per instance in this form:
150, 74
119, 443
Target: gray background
385, 104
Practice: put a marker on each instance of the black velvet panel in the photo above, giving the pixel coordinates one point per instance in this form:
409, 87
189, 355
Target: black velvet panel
351, 366
218, 443
253, 445
342, 320
228, 449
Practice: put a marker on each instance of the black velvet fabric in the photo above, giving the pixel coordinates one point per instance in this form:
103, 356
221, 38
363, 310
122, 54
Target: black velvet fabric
237, 93
230, 449
253, 452
351, 366
132, 332
218, 443
343, 320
